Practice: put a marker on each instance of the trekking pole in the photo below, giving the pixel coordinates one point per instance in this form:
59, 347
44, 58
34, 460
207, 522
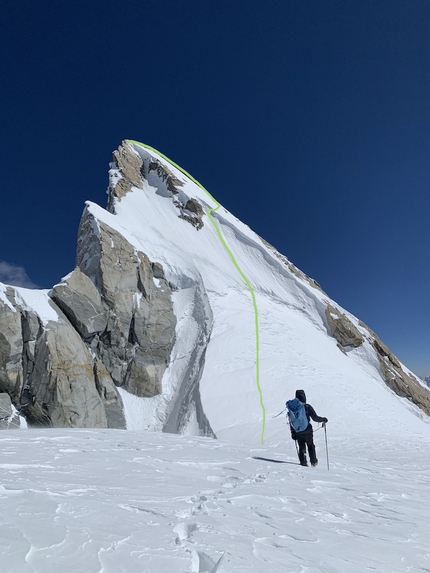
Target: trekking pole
279, 413
326, 446
297, 449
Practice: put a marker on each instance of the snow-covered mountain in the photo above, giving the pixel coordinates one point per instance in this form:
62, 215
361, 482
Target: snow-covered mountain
178, 317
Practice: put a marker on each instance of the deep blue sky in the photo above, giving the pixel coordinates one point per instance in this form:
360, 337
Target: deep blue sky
309, 120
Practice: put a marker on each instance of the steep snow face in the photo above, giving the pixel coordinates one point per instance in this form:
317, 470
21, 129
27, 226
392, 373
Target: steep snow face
27, 299
38, 301
3, 297
296, 348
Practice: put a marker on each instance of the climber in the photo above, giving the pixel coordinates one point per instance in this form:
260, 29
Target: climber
299, 415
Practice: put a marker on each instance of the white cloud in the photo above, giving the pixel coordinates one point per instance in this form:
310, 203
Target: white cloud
15, 275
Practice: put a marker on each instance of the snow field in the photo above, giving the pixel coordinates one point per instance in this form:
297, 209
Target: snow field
111, 501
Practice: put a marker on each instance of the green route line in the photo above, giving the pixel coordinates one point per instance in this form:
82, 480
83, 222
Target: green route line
235, 263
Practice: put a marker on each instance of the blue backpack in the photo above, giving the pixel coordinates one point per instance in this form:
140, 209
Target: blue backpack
297, 415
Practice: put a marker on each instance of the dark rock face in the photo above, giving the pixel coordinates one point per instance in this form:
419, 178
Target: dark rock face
5, 410
168, 185
61, 383
136, 343
109, 395
52, 380
164, 174
11, 349
126, 175
81, 302
342, 328
193, 213
402, 383
9, 418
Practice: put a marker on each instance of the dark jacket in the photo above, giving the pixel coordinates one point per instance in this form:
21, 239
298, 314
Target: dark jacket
310, 413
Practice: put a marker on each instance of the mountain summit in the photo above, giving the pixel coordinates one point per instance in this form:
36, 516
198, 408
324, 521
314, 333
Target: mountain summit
178, 317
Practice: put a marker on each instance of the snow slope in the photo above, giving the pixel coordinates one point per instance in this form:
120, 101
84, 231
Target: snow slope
296, 350
112, 501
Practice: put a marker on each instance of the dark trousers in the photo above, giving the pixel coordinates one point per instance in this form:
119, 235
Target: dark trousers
307, 440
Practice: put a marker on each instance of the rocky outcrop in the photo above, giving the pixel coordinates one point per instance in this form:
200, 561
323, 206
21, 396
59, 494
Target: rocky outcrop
128, 170
401, 382
62, 384
81, 302
9, 417
109, 395
11, 349
136, 343
342, 328
168, 185
193, 213
32, 330
125, 173
5, 410
48, 371
163, 174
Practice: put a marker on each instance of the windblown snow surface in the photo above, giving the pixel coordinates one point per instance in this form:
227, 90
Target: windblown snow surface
111, 501
141, 501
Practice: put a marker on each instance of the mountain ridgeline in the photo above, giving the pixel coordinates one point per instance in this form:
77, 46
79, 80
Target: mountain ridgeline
147, 302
